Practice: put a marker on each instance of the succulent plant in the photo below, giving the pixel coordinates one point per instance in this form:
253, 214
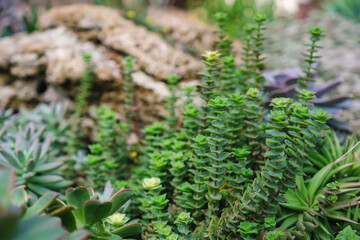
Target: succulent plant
154, 206
183, 221
285, 83
99, 214
53, 118
33, 165
320, 197
30, 21
17, 221
127, 69
110, 155
5, 114
347, 233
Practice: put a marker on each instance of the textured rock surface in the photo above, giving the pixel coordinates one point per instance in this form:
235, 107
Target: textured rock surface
187, 31
155, 56
47, 65
184, 28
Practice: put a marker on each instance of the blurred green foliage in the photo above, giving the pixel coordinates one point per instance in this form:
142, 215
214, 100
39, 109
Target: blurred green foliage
346, 8
239, 12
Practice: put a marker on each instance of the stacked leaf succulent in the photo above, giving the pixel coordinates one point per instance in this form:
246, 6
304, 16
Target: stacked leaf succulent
84, 91
109, 155
171, 105
127, 69
216, 154
81, 103
155, 205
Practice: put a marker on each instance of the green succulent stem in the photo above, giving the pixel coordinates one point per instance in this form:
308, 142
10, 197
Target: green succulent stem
257, 49
316, 33
172, 119
127, 70
254, 130
216, 153
210, 81
81, 102
84, 93
154, 205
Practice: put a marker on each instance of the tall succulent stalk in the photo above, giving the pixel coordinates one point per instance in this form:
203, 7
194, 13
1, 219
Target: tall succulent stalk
84, 91
210, 81
199, 143
229, 83
196, 201
172, 79
109, 156
227, 70
235, 120
254, 130
154, 206
258, 49
189, 94
290, 139
127, 69
216, 153
224, 44
238, 173
244, 75
316, 33
81, 103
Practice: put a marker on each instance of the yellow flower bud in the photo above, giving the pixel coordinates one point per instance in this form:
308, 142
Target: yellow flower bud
131, 14
151, 183
211, 55
133, 154
148, 20
117, 219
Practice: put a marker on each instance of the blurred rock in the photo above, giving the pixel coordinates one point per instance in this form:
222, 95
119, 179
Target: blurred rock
47, 65
107, 26
184, 28
187, 31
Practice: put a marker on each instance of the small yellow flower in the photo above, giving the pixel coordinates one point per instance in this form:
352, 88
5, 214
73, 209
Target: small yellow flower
133, 154
165, 29
211, 55
117, 219
151, 183
148, 20
131, 14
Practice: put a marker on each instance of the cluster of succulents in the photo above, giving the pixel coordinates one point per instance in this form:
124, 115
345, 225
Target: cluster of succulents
252, 161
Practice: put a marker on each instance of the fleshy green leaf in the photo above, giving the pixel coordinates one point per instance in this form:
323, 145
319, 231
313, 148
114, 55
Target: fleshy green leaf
119, 199
129, 230
67, 217
94, 211
39, 228
77, 197
80, 234
19, 196
41, 204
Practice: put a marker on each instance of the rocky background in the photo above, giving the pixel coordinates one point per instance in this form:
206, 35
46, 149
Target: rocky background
47, 65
